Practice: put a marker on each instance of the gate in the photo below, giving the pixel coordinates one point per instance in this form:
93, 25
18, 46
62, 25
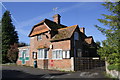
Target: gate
82, 63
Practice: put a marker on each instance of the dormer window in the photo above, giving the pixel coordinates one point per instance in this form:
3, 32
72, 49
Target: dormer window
39, 37
76, 36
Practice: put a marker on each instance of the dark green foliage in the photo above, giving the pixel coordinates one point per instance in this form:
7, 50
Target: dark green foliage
98, 44
9, 35
111, 46
114, 67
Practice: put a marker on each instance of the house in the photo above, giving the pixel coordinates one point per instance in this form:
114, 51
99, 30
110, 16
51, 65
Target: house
54, 46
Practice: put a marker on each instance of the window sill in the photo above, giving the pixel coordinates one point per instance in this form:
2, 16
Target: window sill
57, 59
42, 58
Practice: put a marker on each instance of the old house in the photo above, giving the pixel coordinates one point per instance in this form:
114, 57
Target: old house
54, 46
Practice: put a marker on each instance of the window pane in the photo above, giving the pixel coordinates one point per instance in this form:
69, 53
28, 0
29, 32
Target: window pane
63, 54
68, 54
60, 53
39, 37
45, 54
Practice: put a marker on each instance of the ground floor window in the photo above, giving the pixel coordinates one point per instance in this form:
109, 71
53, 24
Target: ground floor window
42, 54
34, 55
57, 54
66, 54
24, 55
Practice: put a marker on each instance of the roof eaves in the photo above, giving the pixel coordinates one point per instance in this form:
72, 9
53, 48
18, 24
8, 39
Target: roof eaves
59, 39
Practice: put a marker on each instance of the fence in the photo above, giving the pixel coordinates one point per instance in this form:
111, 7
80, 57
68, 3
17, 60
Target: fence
82, 63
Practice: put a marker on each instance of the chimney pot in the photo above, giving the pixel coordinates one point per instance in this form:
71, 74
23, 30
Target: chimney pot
56, 18
82, 29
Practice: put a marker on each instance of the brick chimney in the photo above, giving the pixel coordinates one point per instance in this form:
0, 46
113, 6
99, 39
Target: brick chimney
82, 29
56, 18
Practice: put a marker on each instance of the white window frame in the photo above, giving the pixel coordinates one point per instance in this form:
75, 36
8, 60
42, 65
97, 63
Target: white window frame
54, 55
39, 37
34, 55
21, 51
66, 52
42, 55
27, 53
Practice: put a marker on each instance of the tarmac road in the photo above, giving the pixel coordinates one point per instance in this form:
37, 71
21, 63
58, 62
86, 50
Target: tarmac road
22, 72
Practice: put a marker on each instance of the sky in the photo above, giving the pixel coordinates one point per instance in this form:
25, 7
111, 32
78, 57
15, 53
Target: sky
85, 14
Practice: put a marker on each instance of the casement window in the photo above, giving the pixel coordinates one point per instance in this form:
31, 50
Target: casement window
20, 53
57, 54
26, 52
34, 55
39, 37
76, 36
66, 54
42, 54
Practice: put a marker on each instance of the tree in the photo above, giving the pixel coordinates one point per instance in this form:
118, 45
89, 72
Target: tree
9, 35
13, 53
111, 46
0, 42
21, 44
98, 44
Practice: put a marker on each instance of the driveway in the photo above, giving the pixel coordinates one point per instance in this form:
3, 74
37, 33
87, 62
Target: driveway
20, 72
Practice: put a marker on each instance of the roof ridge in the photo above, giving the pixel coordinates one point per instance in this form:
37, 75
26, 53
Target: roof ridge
67, 27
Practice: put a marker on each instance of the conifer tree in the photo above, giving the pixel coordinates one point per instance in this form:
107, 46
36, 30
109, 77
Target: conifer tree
111, 46
9, 35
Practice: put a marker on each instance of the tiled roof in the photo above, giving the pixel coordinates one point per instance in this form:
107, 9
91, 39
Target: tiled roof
40, 27
89, 40
64, 33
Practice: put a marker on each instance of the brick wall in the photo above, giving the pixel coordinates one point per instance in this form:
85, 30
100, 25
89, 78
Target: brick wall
64, 64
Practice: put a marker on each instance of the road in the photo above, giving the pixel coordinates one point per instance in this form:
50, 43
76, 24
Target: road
23, 72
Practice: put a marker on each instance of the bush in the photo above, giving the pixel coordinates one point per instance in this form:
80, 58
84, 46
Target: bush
114, 67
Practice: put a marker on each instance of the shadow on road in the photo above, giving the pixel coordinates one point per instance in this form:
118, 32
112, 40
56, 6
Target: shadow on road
15, 75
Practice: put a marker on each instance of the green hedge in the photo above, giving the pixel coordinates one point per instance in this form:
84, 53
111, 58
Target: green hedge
114, 67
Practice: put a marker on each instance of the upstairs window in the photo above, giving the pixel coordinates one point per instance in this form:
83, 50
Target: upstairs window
76, 36
39, 37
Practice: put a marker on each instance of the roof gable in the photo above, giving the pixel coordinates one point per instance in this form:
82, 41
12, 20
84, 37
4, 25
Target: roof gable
89, 40
38, 30
48, 25
64, 33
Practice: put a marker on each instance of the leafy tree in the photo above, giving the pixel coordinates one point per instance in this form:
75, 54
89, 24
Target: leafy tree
98, 44
21, 44
111, 46
13, 53
9, 35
